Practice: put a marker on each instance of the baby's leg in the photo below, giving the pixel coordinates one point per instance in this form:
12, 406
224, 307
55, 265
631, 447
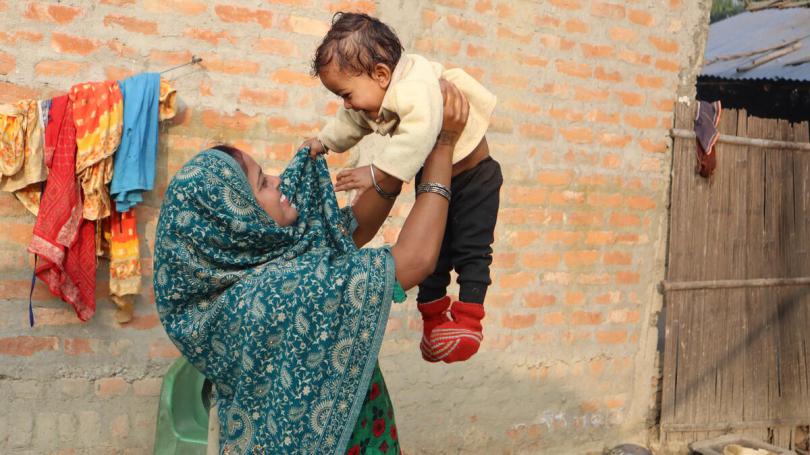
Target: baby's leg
473, 214
432, 300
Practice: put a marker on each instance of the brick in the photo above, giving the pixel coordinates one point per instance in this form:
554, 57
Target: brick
131, 24
574, 298
305, 26
89, 427
356, 6
554, 318
7, 63
536, 131
119, 427
516, 280
664, 45
658, 146
600, 238
468, 26
631, 98
78, 346
146, 321
518, 321
567, 4
540, 260
583, 218
640, 17
210, 36
522, 107
237, 121
623, 34
555, 178
289, 77
183, 7
462, 4
618, 258
523, 238
564, 237
546, 21
118, 2
237, 14
667, 65
614, 140
440, 45
649, 81
276, 47
627, 278
641, 122
611, 336
50, 68
590, 94
20, 35
429, 17
71, 44
229, 66
27, 346
574, 68
162, 349
269, 98
566, 197
512, 35
596, 51
604, 75
576, 26
283, 125
530, 60
634, 58
580, 258
58, 14
538, 300
110, 387
510, 80
607, 10
586, 318
624, 220
577, 135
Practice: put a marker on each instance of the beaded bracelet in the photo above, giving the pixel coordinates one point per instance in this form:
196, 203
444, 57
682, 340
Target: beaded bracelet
383, 194
438, 188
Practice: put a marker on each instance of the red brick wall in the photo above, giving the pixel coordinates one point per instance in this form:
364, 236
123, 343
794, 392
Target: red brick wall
586, 89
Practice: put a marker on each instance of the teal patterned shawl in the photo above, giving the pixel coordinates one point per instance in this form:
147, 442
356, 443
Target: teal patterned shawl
285, 321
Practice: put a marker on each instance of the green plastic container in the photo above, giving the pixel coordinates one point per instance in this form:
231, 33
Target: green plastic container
182, 424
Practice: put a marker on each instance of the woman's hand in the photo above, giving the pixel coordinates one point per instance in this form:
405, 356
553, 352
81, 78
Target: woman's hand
456, 111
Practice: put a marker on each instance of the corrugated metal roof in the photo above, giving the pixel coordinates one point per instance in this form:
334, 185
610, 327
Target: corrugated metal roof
751, 31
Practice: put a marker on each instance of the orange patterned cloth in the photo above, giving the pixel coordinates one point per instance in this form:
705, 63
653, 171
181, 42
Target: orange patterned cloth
123, 248
98, 113
22, 165
168, 101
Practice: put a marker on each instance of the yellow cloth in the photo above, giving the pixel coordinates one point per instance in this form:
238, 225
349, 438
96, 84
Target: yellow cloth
411, 113
98, 114
22, 165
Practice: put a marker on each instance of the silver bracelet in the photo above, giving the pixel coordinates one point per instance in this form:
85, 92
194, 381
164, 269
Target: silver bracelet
431, 187
383, 194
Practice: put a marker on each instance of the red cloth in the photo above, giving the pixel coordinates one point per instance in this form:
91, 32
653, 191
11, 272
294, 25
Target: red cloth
64, 241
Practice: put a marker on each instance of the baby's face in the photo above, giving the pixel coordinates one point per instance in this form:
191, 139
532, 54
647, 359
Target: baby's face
359, 92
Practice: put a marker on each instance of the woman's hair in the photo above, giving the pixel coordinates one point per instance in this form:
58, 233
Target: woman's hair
234, 153
357, 42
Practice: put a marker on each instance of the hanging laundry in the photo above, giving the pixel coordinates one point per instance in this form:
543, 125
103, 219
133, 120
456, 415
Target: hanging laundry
22, 167
62, 239
123, 250
134, 169
98, 115
168, 101
706, 120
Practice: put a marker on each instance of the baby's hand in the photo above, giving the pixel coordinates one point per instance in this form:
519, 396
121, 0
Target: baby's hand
315, 147
354, 179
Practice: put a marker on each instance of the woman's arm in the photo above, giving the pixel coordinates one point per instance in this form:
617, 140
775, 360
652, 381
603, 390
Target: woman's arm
420, 239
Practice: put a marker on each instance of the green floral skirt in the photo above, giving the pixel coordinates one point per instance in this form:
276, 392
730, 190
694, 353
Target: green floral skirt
376, 429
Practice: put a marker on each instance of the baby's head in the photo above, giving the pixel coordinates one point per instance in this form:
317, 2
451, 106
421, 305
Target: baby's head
356, 59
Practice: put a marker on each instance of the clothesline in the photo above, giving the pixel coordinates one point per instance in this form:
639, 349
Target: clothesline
85, 158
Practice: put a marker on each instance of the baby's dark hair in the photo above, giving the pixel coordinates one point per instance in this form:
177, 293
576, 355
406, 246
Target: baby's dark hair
357, 43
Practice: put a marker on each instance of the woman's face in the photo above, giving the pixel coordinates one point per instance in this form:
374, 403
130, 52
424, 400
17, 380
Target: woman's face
265, 188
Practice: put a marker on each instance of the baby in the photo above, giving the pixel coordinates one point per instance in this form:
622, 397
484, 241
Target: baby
385, 91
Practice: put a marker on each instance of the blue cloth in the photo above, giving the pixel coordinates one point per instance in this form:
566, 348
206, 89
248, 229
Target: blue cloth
286, 322
134, 165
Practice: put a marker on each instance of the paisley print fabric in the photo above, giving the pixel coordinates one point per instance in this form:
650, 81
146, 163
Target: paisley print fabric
285, 321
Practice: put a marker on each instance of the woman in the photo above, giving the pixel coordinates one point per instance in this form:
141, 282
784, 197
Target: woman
260, 284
